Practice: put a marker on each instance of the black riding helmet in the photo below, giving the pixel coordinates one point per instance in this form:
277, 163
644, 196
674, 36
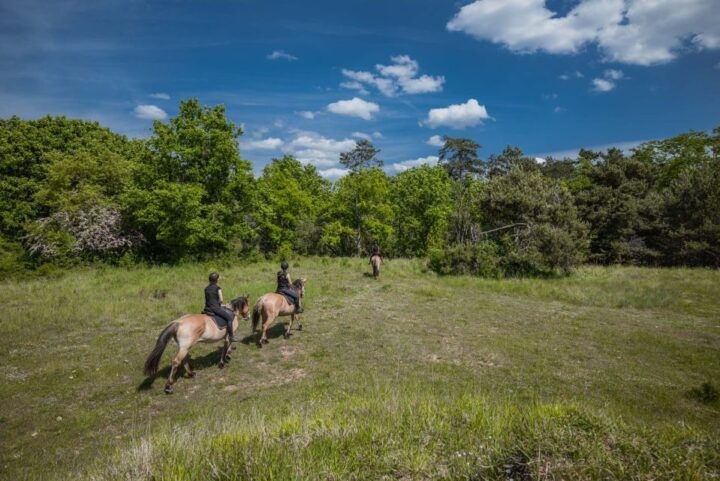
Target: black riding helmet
213, 277
284, 265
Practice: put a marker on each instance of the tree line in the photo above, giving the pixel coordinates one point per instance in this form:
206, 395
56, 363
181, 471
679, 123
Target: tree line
74, 192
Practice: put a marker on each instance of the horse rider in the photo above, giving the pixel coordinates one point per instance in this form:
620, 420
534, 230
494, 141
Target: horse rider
213, 304
284, 286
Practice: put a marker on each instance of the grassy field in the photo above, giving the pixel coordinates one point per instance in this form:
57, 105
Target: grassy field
411, 376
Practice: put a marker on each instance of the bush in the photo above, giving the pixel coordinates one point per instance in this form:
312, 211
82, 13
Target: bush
481, 259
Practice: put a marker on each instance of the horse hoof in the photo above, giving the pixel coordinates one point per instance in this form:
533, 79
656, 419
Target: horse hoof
265, 341
191, 374
168, 390
286, 335
299, 327
221, 365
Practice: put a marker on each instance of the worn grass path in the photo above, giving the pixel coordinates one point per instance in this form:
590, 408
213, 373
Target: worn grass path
407, 377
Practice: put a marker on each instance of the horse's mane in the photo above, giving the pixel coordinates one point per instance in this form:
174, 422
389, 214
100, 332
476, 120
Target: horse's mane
239, 302
297, 283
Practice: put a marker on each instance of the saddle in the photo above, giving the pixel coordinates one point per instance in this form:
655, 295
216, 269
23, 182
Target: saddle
287, 296
219, 321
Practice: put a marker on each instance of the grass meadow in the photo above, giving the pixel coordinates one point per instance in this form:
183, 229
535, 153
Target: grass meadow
412, 376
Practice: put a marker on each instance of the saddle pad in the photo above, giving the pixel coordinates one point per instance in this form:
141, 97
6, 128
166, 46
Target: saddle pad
219, 321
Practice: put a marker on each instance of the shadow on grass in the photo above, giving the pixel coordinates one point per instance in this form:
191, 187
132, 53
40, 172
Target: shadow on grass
273, 333
197, 364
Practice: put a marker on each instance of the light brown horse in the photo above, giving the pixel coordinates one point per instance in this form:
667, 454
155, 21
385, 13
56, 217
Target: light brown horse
188, 330
375, 261
273, 305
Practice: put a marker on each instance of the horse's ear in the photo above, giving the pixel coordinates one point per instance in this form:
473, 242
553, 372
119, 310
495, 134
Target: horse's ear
304, 280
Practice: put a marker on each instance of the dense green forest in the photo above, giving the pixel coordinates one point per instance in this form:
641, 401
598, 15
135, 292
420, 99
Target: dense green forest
74, 192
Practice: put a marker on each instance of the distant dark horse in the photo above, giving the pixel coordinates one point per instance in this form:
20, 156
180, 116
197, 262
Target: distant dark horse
273, 305
188, 330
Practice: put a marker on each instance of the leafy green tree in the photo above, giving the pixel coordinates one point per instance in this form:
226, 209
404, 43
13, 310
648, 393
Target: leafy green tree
459, 156
28, 147
536, 223
363, 214
192, 194
422, 198
621, 205
363, 156
292, 196
510, 158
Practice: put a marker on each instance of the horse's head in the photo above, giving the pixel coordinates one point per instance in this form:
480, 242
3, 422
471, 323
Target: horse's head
299, 285
241, 306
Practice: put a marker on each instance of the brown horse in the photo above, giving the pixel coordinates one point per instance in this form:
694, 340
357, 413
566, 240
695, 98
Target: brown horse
188, 330
271, 306
375, 261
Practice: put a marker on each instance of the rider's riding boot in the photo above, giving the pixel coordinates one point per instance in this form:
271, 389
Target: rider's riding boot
298, 307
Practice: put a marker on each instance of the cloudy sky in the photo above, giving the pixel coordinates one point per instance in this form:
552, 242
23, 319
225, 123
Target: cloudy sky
310, 78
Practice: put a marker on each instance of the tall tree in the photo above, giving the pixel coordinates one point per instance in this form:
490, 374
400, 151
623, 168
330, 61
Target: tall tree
363, 156
510, 158
459, 157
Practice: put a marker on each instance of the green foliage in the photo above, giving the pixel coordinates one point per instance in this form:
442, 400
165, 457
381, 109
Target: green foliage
291, 199
459, 156
363, 156
72, 191
362, 206
423, 204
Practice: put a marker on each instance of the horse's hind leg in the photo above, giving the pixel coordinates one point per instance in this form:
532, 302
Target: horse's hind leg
186, 364
182, 352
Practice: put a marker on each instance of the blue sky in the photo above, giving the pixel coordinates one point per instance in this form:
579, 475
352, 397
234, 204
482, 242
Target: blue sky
309, 78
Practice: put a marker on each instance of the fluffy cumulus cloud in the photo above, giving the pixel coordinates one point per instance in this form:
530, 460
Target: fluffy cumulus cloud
333, 173
398, 167
641, 32
457, 116
363, 135
608, 82
355, 107
315, 149
271, 143
281, 55
435, 141
160, 95
401, 76
152, 112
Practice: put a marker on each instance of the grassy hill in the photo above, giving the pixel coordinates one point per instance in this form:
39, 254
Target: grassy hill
411, 376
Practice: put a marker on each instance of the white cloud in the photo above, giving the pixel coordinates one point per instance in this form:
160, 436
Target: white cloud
398, 77
333, 173
160, 95
568, 76
614, 74
642, 32
377, 135
279, 124
457, 116
608, 83
354, 85
435, 141
602, 85
540, 160
313, 148
306, 114
152, 112
355, 107
559, 109
271, 143
361, 135
409, 164
281, 55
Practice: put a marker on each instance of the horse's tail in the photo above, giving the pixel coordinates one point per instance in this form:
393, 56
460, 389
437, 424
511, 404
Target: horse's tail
153, 360
256, 314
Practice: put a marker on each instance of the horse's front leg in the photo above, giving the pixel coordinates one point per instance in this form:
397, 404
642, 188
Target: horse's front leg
224, 357
289, 326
